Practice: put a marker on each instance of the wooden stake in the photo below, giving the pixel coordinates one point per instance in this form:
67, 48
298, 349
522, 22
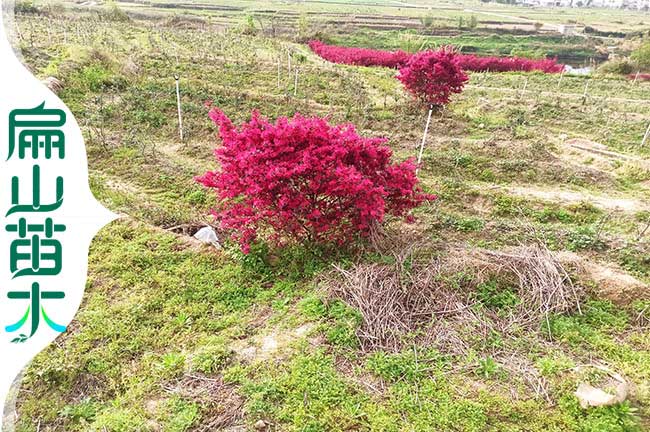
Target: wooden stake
523, 90
424, 138
560, 80
295, 84
584, 94
636, 77
289, 62
645, 137
279, 70
18, 33
178, 102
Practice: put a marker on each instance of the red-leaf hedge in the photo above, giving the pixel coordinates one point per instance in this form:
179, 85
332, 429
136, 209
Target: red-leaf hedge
397, 59
432, 76
641, 77
303, 179
359, 56
474, 63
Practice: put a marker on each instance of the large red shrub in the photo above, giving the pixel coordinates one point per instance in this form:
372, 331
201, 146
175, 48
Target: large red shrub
304, 179
433, 76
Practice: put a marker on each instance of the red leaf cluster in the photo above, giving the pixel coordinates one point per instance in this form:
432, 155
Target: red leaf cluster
474, 63
359, 56
303, 179
433, 76
397, 59
641, 77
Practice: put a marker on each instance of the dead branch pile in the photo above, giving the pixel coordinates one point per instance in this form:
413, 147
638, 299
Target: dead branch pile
221, 404
544, 285
435, 300
53, 84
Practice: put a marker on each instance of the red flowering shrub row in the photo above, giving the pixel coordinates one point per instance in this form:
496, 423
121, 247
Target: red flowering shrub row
397, 59
474, 63
304, 179
432, 76
359, 56
641, 77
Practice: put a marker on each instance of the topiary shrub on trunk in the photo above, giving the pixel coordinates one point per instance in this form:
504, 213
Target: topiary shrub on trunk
433, 76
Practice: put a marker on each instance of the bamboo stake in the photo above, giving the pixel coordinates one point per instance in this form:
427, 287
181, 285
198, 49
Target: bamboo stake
636, 77
289, 62
178, 103
424, 138
295, 84
560, 80
584, 94
523, 90
645, 137
18, 32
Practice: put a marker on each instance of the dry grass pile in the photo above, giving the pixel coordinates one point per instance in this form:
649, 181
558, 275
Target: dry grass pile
221, 404
441, 301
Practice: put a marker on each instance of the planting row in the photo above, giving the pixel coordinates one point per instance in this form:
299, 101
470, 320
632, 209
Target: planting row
639, 76
397, 59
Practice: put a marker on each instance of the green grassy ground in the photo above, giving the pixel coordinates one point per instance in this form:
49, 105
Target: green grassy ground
173, 336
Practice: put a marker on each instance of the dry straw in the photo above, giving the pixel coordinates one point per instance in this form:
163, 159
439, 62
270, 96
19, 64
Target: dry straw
435, 301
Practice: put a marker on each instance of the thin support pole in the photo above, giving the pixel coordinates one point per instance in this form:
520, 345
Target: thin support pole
295, 84
636, 77
523, 90
424, 138
178, 103
560, 80
645, 137
279, 71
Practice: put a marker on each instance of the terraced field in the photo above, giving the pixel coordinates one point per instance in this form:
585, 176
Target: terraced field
538, 184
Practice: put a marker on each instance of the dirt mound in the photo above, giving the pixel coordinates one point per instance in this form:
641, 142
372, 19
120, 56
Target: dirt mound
562, 196
601, 156
608, 282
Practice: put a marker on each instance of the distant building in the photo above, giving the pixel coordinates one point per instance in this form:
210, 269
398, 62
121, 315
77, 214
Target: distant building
567, 29
640, 4
611, 4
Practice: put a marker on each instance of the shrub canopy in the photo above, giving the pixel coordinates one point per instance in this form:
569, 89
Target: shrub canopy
303, 179
433, 76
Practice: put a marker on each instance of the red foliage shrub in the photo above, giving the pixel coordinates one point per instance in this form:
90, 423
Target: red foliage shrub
359, 56
641, 77
508, 64
307, 180
432, 76
397, 59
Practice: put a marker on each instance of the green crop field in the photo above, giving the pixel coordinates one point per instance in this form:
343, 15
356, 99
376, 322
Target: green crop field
533, 172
